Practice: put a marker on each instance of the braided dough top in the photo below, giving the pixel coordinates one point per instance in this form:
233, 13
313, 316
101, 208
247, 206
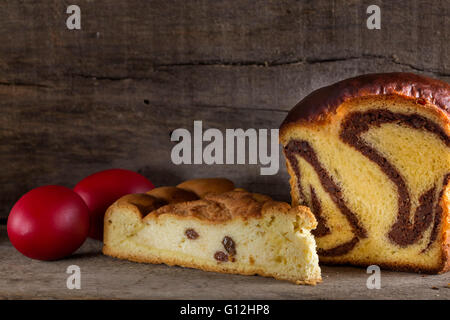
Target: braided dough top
212, 200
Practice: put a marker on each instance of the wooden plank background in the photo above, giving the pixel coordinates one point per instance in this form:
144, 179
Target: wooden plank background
109, 95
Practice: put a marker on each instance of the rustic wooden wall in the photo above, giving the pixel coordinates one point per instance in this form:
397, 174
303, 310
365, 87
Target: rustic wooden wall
74, 102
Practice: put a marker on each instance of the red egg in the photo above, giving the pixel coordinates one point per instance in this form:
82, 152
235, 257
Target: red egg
103, 188
48, 223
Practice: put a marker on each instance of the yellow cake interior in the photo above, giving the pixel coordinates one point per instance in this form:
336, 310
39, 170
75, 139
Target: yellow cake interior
278, 243
421, 158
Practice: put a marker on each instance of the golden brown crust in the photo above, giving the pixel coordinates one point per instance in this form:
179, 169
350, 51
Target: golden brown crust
317, 105
143, 202
173, 194
207, 185
217, 203
216, 207
306, 217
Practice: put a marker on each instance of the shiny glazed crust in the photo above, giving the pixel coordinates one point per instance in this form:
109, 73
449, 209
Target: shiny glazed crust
430, 95
317, 105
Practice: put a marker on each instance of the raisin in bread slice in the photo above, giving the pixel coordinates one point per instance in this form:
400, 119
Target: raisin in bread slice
209, 225
371, 157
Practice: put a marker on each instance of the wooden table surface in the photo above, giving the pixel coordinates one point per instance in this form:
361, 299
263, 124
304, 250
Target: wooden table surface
110, 94
103, 277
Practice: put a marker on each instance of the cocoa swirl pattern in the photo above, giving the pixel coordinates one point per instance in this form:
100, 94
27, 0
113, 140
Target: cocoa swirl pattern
304, 149
322, 229
402, 232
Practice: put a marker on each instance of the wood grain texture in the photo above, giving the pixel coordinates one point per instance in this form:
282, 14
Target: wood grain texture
109, 95
103, 277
